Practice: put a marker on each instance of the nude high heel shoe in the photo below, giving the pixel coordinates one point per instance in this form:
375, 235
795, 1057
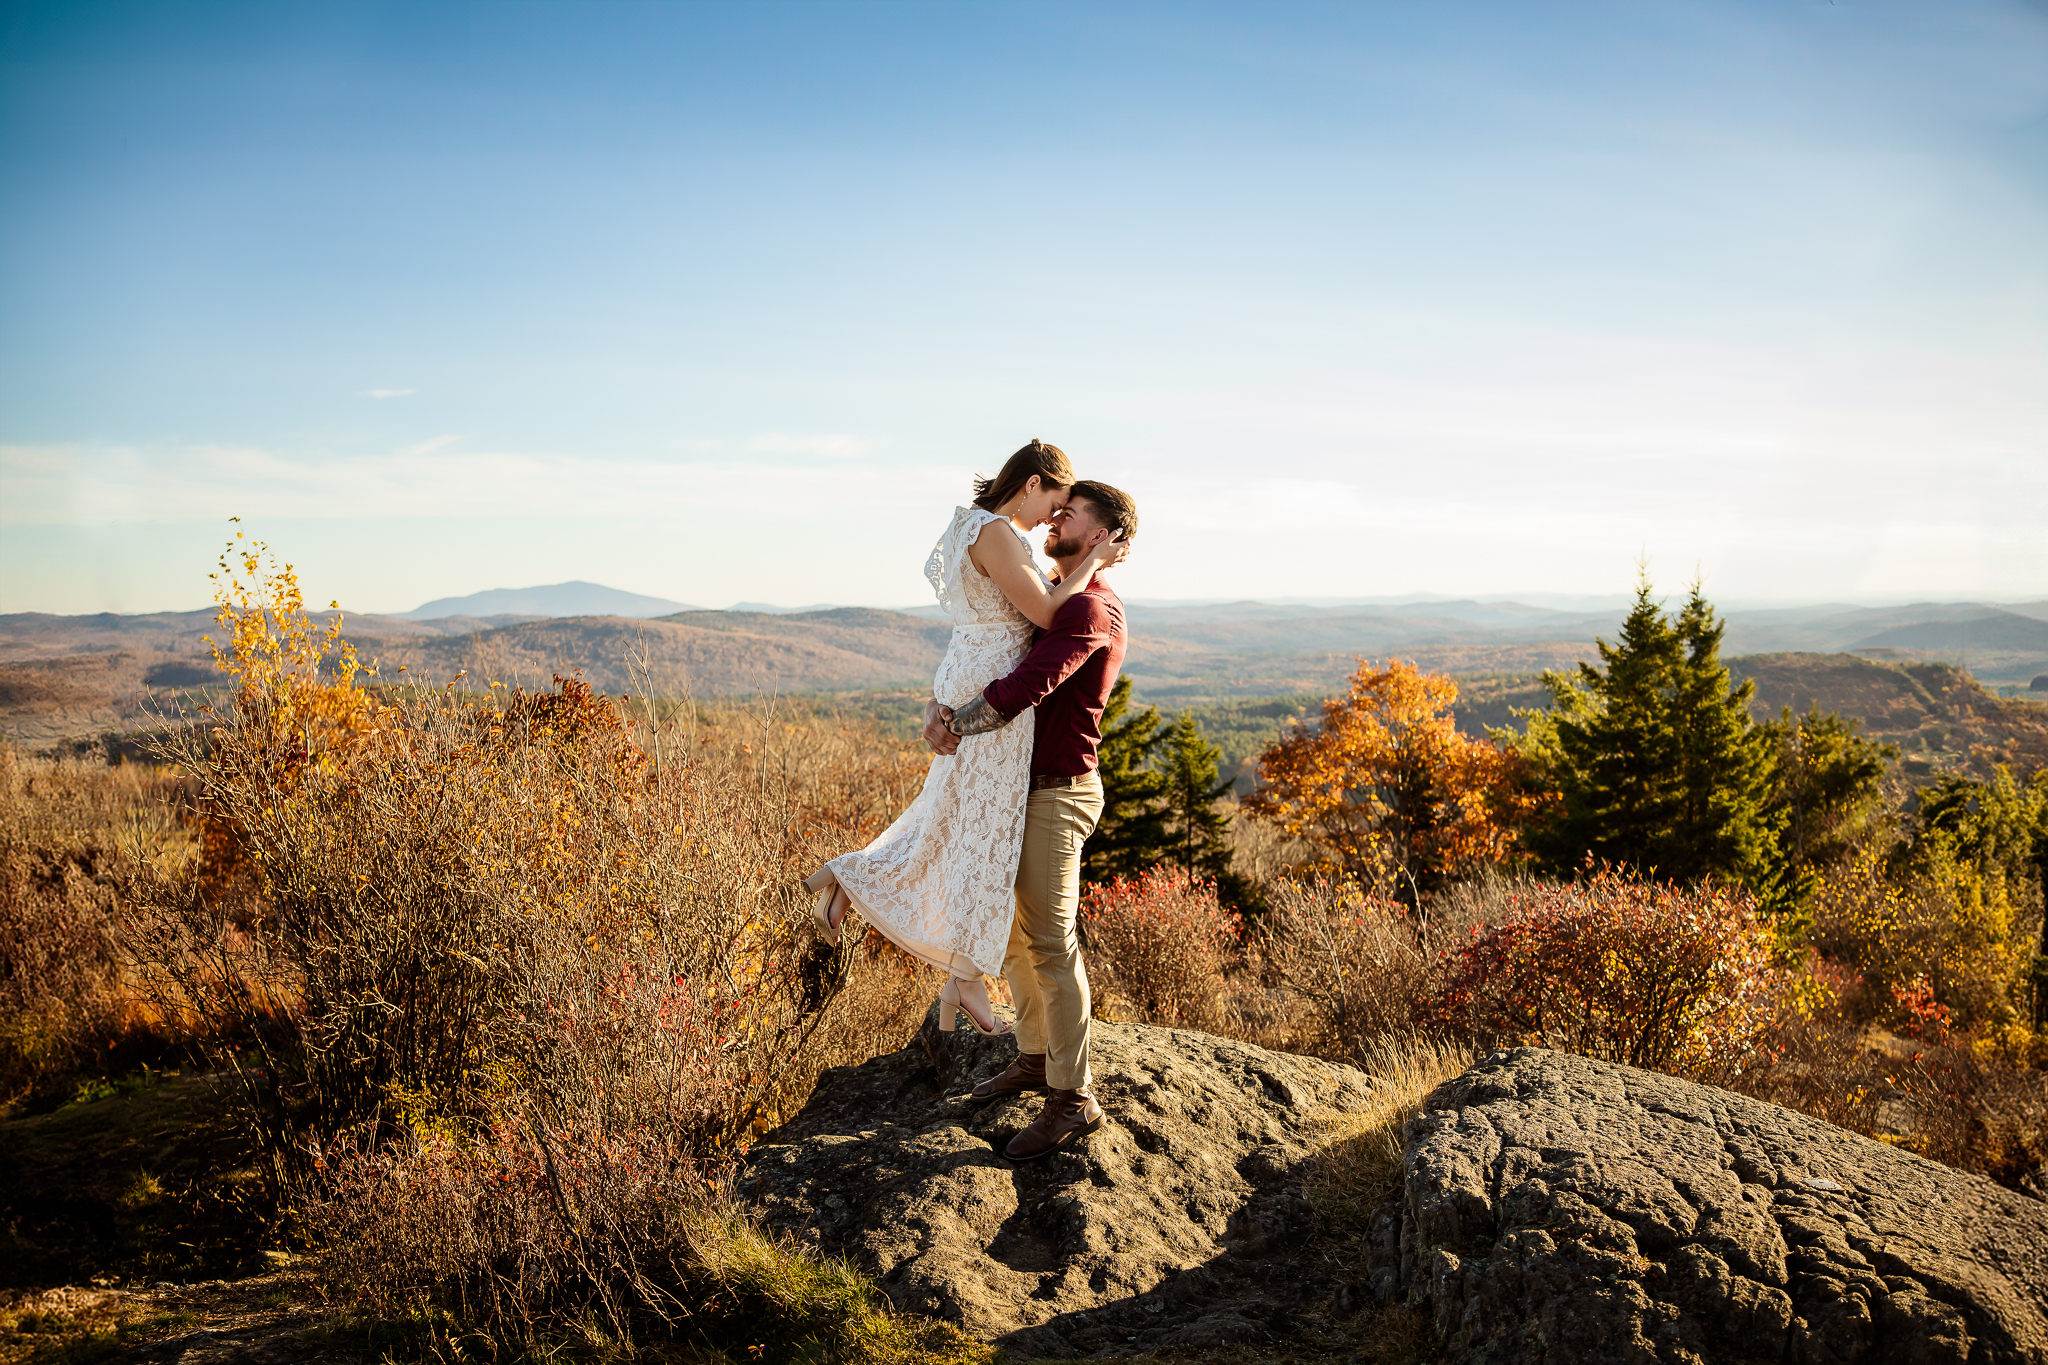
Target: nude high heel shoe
827, 886
951, 1006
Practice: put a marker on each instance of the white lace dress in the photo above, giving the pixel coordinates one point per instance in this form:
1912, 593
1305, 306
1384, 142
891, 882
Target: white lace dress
940, 881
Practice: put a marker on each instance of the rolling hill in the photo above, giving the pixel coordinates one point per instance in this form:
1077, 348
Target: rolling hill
1940, 717
64, 676
555, 599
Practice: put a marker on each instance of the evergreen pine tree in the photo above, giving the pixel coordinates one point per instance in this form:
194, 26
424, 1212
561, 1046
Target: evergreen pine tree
1132, 834
1609, 749
1190, 768
1727, 822
1654, 756
1829, 787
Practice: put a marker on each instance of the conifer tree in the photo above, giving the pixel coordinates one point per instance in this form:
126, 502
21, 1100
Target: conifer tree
1654, 758
1608, 747
1132, 834
1830, 787
1727, 762
1190, 768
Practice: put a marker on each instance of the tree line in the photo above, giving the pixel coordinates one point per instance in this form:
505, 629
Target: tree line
1648, 759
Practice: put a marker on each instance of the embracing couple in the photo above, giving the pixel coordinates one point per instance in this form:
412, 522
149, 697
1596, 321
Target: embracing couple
982, 874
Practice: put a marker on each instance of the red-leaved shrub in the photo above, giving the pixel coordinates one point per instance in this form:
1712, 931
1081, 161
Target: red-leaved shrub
1917, 1013
1616, 966
1160, 943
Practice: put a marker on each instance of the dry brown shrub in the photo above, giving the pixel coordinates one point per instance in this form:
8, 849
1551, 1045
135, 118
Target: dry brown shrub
478, 898
1357, 963
544, 984
1261, 851
1966, 1101
524, 970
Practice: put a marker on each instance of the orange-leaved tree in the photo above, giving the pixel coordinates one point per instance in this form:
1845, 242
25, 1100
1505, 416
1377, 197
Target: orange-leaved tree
1399, 800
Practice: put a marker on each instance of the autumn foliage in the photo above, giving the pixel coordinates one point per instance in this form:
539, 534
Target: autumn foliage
1619, 966
475, 899
1399, 799
516, 964
1159, 945
509, 978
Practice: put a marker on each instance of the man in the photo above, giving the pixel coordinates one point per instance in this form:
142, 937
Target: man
1067, 677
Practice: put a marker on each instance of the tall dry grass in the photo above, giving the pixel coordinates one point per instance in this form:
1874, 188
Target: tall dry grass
509, 979
1355, 963
1361, 1165
470, 898
73, 838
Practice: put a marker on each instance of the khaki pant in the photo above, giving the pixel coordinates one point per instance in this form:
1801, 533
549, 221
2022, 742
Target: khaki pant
1043, 962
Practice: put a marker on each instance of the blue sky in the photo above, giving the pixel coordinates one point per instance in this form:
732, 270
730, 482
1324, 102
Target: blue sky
725, 302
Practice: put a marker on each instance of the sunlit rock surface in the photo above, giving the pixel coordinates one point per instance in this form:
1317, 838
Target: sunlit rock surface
1178, 1224
1564, 1209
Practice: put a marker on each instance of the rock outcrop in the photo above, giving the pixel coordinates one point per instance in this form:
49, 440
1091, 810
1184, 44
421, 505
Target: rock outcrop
1559, 1209
1178, 1224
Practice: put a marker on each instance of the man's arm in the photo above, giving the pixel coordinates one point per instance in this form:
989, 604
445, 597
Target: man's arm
1084, 625
977, 717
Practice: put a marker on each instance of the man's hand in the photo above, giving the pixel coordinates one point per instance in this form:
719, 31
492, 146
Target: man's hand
942, 740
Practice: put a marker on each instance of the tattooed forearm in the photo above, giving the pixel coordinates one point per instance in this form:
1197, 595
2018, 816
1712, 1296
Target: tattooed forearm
976, 718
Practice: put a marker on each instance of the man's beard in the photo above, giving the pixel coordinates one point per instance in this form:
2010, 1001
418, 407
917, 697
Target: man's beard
1055, 548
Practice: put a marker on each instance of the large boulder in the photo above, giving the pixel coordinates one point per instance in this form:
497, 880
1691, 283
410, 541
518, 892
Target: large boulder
1175, 1225
1559, 1209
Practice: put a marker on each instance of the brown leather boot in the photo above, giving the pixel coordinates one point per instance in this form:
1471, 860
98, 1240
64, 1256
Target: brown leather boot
1020, 1077
1068, 1116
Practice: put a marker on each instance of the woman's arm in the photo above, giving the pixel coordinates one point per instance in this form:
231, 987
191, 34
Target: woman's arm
1004, 559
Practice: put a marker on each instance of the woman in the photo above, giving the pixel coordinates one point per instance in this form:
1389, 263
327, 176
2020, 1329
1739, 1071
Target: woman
938, 882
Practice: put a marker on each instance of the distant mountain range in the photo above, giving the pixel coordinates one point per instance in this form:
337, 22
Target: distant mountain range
63, 674
556, 599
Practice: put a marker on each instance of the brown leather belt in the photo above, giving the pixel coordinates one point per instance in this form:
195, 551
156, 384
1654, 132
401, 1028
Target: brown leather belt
1047, 781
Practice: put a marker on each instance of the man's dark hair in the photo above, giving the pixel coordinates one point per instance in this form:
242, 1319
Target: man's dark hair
1111, 507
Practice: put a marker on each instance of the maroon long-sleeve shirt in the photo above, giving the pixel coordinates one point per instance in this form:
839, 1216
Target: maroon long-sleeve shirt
1067, 677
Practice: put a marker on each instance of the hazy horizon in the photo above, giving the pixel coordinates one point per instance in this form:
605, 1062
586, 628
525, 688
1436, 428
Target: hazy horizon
1562, 603
729, 304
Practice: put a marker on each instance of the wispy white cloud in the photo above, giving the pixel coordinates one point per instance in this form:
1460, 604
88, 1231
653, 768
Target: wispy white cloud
429, 446
385, 393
